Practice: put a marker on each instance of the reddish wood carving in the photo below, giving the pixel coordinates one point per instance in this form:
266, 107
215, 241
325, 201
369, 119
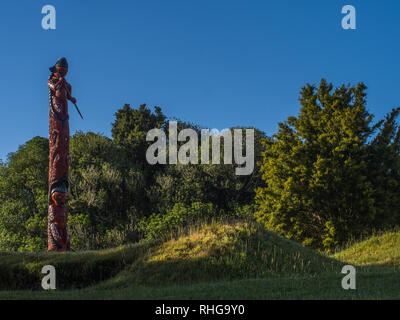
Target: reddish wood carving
59, 94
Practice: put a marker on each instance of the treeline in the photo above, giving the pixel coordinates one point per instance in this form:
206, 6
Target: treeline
328, 174
115, 195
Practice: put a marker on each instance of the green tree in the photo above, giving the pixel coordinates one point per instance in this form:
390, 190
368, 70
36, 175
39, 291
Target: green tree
206, 183
105, 193
23, 197
320, 169
130, 128
384, 170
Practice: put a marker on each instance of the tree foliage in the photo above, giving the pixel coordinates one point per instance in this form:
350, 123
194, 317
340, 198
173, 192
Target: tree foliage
23, 197
330, 173
115, 195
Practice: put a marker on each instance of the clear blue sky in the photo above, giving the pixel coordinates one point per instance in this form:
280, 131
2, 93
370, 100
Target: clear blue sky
213, 62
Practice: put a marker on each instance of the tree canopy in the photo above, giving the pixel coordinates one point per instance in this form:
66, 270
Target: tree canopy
330, 173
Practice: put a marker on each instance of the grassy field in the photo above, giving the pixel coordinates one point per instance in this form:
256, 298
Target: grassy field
230, 260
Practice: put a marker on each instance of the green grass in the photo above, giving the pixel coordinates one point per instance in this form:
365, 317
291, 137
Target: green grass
381, 250
224, 260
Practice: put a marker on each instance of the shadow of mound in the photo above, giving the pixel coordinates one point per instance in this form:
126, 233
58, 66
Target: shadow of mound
73, 270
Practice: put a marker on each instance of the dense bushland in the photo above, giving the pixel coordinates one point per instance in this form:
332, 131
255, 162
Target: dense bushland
116, 197
328, 174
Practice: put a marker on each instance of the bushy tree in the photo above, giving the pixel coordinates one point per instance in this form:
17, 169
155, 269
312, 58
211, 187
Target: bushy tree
105, 193
101, 185
23, 197
384, 170
321, 169
206, 183
130, 128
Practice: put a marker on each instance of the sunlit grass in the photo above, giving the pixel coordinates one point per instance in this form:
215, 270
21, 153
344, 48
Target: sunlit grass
383, 249
218, 260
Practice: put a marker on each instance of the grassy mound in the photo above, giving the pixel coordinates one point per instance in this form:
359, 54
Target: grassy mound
214, 252
222, 251
382, 250
224, 260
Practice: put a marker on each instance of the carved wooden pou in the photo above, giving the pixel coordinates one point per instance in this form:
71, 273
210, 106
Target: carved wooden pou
59, 94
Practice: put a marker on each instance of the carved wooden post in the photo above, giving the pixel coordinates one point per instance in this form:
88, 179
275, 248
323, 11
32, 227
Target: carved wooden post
59, 94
